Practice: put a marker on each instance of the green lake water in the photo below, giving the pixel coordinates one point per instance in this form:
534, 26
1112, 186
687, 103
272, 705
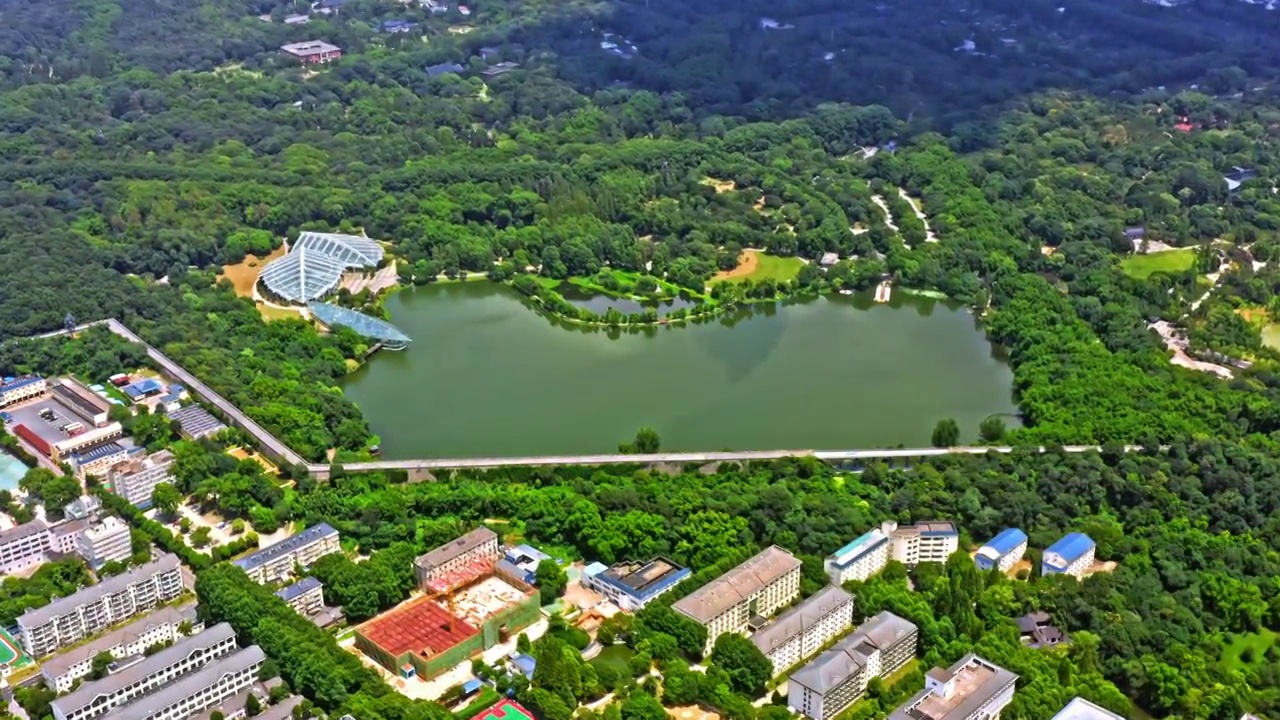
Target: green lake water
486, 376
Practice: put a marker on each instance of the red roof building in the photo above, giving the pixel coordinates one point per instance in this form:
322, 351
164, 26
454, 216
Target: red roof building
312, 52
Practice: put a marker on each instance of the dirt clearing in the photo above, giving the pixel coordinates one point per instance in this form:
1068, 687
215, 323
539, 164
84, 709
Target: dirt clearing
245, 273
748, 261
692, 712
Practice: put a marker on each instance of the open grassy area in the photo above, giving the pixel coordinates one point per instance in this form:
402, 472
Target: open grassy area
617, 657
482, 701
756, 265
1141, 267
1258, 642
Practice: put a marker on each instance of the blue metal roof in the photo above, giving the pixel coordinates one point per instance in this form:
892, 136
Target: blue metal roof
11, 383
97, 452
142, 387
286, 546
1071, 546
305, 585
1006, 541
525, 664
858, 547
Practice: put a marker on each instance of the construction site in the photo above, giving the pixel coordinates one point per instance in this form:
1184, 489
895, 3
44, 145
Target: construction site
456, 619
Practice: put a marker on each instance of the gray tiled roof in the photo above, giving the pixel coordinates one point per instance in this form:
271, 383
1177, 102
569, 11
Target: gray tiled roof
735, 586
456, 547
834, 666
305, 585
801, 617
164, 562
60, 664
24, 530
286, 546
977, 682
187, 685
87, 693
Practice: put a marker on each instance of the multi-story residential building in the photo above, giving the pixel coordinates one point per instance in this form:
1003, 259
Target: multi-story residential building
804, 629
64, 537
105, 541
162, 626
865, 556
835, 679
94, 609
457, 560
306, 596
1072, 555
67, 449
745, 595
94, 699
98, 459
135, 479
276, 562
313, 52
23, 546
1081, 709
632, 585
211, 684
1002, 551
925, 541
15, 390
971, 689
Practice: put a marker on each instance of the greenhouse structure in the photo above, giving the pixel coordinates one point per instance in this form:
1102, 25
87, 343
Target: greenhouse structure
366, 325
315, 264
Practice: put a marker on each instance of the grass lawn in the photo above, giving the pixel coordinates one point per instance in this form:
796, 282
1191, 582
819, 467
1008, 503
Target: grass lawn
1258, 641
1271, 335
779, 269
1141, 267
616, 656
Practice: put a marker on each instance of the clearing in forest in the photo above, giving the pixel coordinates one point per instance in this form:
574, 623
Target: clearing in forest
245, 273
756, 265
1141, 267
691, 712
721, 186
1254, 645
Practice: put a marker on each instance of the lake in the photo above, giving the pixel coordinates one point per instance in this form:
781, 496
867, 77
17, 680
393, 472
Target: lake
486, 376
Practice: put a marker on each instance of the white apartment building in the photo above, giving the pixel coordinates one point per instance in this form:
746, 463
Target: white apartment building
197, 691
24, 546
135, 479
64, 537
1081, 709
925, 541
97, 698
865, 556
98, 459
477, 548
1072, 555
16, 390
61, 671
105, 541
753, 590
971, 689
306, 596
835, 679
94, 609
804, 629
276, 562
1002, 551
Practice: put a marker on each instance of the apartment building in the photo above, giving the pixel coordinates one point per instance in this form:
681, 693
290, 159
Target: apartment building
925, 541
15, 390
306, 596
632, 585
24, 546
865, 556
197, 691
971, 689
1081, 709
136, 479
745, 595
804, 629
457, 560
96, 460
276, 562
1003, 551
94, 609
64, 537
164, 625
835, 679
1072, 555
105, 541
126, 684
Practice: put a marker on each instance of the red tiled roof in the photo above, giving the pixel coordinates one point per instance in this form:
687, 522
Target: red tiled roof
421, 626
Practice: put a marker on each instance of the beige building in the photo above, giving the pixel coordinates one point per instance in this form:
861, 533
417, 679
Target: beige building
162, 626
276, 562
135, 479
804, 629
835, 679
457, 558
745, 595
930, 541
971, 689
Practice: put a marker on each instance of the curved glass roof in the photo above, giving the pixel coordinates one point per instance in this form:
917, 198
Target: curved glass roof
315, 264
366, 325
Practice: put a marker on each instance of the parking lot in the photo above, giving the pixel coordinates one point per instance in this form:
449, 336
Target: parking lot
46, 426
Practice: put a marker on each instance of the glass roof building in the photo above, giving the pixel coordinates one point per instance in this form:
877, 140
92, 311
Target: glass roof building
315, 264
366, 325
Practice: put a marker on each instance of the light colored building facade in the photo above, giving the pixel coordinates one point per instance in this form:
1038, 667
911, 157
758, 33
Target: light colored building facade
478, 547
804, 629
1081, 709
860, 559
1072, 555
276, 562
930, 541
758, 587
97, 698
162, 626
136, 479
98, 459
971, 689
306, 596
94, 609
24, 388
24, 546
64, 537
105, 541
197, 691
65, 449
835, 679
1003, 551
632, 585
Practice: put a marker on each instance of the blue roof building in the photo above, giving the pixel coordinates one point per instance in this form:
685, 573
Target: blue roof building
276, 562
142, 388
524, 664
398, 26
1072, 555
631, 585
523, 561
298, 589
863, 557
1002, 551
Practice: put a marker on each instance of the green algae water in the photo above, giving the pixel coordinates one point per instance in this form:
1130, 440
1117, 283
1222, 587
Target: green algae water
486, 376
